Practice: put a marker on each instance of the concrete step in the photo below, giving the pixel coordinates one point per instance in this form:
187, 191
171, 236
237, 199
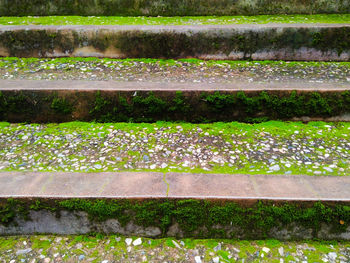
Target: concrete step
170, 7
316, 42
182, 205
59, 101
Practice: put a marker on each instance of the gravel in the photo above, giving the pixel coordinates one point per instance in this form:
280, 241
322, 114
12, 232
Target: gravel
183, 71
317, 149
105, 249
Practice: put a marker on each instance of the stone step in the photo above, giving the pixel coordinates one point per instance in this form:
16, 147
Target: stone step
170, 7
264, 202
316, 42
182, 205
111, 101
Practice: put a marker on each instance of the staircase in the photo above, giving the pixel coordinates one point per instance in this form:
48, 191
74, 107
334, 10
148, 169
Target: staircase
208, 127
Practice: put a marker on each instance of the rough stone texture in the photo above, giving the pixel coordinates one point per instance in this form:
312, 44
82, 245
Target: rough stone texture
68, 222
170, 7
258, 42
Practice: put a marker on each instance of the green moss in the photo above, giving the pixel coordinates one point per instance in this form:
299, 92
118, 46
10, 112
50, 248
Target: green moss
223, 106
278, 107
18, 104
61, 106
11, 209
174, 106
176, 44
337, 39
193, 215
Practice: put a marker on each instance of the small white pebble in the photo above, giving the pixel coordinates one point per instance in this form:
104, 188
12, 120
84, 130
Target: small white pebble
128, 241
266, 249
198, 259
137, 242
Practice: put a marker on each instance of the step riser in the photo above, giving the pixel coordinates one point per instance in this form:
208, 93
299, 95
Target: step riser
40, 106
170, 7
186, 218
258, 42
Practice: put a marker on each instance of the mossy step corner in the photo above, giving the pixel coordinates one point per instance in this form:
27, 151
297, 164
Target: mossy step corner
174, 204
314, 42
108, 101
170, 7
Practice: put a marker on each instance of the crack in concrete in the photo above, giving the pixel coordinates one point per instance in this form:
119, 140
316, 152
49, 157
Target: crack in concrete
167, 184
255, 185
45, 184
309, 187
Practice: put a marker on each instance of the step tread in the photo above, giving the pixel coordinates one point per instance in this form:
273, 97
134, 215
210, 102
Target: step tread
174, 185
168, 86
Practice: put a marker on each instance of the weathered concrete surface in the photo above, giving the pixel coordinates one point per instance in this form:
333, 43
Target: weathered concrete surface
62, 101
77, 222
170, 7
69, 223
82, 85
83, 185
317, 42
174, 185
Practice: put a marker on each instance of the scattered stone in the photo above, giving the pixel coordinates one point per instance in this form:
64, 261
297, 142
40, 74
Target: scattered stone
198, 259
128, 241
137, 242
218, 247
281, 251
275, 168
266, 250
176, 244
23, 251
332, 256
70, 150
98, 166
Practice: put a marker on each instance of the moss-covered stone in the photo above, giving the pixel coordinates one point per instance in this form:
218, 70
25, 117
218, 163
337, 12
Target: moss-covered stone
292, 42
194, 217
190, 106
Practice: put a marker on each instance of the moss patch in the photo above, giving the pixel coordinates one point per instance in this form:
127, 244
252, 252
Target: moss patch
199, 218
36, 106
177, 43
